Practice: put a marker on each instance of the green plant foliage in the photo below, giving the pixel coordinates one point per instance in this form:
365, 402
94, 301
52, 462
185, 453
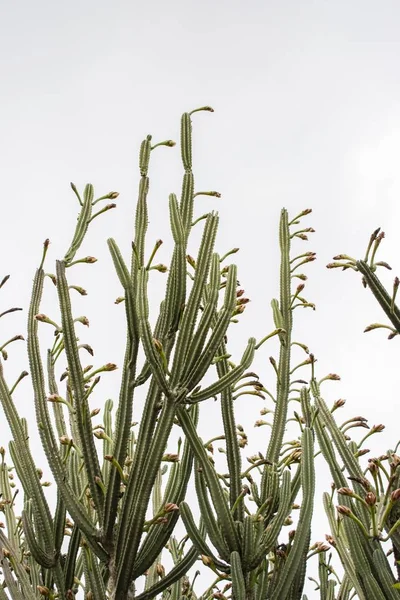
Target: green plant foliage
122, 489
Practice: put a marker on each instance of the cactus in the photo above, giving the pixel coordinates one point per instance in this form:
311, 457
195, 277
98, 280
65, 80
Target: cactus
121, 490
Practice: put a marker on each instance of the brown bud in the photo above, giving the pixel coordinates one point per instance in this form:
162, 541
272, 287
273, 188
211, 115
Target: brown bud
338, 403
363, 452
377, 427
345, 491
333, 377
370, 499
343, 510
395, 495
330, 540
110, 367
160, 569
170, 507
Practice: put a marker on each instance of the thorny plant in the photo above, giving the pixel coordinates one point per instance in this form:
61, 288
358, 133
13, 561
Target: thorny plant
120, 494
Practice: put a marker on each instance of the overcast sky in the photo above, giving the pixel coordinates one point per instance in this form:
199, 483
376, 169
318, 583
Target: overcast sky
306, 97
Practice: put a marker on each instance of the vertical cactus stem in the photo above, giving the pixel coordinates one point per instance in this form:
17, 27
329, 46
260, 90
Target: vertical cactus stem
238, 581
77, 384
280, 414
144, 156
193, 304
299, 550
128, 539
82, 225
141, 224
186, 142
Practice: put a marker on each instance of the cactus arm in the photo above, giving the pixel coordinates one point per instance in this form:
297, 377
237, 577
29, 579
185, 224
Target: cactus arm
178, 571
376, 287
191, 310
348, 559
386, 579
197, 538
207, 512
128, 538
81, 404
6, 497
71, 558
125, 409
83, 223
262, 581
345, 588
190, 378
146, 335
301, 538
205, 354
57, 408
93, 578
221, 507
25, 464
175, 492
238, 583
42, 557
229, 379
269, 536
22, 576
280, 413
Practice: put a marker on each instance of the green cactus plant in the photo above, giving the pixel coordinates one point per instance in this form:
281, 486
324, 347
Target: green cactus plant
122, 491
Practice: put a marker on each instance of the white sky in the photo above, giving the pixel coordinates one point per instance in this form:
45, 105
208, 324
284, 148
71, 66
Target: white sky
307, 98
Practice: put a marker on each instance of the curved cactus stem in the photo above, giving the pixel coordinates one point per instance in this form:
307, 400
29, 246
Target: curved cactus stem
229, 378
207, 513
391, 310
222, 509
178, 571
197, 538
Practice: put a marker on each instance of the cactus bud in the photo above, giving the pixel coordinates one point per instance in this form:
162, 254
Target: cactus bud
395, 496
343, 510
345, 491
370, 499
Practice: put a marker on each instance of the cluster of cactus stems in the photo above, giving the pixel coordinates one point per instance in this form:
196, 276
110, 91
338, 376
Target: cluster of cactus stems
121, 492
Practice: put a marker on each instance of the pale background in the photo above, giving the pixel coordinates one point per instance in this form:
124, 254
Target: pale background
306, 98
